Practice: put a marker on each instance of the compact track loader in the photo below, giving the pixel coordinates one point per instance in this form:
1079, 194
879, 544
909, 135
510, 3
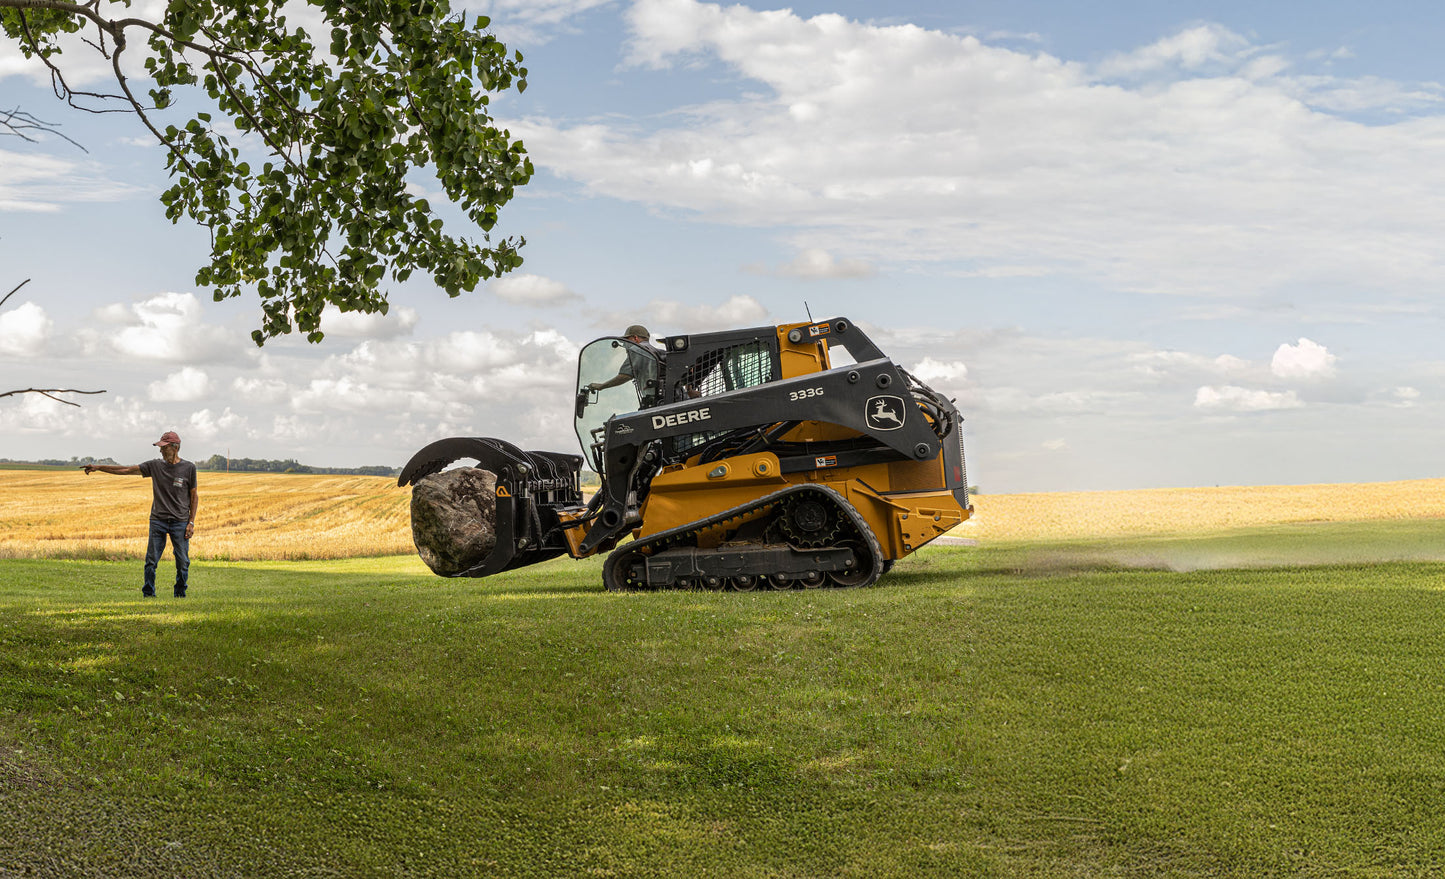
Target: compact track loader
736, 460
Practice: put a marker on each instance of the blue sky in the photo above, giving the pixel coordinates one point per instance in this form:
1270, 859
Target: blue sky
1141, 244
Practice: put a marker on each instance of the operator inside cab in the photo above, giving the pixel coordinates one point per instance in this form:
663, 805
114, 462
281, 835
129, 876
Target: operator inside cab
640, 367
615, 375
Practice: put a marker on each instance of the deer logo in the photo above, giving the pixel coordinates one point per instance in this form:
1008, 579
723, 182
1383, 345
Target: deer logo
885, 413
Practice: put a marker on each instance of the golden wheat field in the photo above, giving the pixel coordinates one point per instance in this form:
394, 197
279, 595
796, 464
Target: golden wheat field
66, 514
1067, 515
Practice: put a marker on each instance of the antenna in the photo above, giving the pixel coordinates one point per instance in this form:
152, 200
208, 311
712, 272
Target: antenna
808, 310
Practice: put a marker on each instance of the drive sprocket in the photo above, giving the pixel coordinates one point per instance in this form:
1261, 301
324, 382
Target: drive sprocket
808, 522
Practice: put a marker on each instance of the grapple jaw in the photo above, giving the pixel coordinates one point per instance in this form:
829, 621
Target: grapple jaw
531, 488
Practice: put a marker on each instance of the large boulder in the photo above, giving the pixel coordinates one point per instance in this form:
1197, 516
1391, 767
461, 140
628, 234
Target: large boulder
454, 518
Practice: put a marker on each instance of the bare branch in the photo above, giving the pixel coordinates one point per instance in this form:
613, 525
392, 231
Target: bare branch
51, 392
17, 122
13, 292
58, 85
44, 392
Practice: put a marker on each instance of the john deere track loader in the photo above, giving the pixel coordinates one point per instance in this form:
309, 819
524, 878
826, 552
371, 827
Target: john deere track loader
736, 460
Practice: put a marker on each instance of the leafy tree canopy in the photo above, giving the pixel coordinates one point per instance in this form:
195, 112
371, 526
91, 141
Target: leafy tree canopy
298, 164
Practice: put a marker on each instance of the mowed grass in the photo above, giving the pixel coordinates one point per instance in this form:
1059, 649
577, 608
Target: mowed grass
1012, 711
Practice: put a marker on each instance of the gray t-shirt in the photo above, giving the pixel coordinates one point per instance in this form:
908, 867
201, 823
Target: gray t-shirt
171, 486
643, 372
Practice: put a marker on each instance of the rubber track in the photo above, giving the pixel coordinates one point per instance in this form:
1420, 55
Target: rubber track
611, 570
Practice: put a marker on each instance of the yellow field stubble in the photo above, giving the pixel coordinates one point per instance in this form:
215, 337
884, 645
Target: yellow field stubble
66, 514
1067, 515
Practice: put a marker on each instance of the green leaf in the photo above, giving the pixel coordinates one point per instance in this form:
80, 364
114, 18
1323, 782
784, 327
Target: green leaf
327, 217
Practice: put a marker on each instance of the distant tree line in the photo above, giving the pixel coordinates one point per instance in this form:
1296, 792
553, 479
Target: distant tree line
57, 462
288, 465
237, 465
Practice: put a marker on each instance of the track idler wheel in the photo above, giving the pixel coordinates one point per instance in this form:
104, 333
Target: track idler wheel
858, 575
622, 571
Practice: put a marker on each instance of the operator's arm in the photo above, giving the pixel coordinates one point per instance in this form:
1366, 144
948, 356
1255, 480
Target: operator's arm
618, 379
191, 522
114, 469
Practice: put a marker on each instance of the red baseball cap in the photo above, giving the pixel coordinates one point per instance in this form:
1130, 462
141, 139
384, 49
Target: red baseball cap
168, 438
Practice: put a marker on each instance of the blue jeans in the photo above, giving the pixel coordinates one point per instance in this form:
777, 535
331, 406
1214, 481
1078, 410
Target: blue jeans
176, 530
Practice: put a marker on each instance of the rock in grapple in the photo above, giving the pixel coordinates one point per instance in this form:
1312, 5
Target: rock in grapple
454, 519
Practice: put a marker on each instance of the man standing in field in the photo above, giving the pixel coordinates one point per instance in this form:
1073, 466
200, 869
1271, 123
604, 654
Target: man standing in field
173, 508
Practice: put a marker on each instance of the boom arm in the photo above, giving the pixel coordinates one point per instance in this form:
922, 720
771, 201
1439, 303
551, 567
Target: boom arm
871, 398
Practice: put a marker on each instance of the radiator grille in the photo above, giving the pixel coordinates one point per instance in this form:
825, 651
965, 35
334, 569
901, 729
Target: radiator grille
962, 464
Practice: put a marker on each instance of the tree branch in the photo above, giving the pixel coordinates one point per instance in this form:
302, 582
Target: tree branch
17, 122
13, 292
51, 392
44, 392
119, 36
58, 85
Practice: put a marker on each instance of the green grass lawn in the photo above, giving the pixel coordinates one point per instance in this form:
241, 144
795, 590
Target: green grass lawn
1022, 711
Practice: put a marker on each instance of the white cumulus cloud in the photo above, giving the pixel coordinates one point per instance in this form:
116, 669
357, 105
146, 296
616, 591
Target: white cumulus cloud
532, 290
260, 390
1305, 360
430, 377
208, 426
942, 373
1212, 168
1404, 397
166, 328
1165, 363
666, 316
360, 325
524, 22
815, 263
24, 330
1191, 49
186, 385
122, 427
347, 395
1230, 398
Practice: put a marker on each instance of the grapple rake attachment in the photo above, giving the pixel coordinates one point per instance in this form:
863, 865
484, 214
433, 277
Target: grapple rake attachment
531, 488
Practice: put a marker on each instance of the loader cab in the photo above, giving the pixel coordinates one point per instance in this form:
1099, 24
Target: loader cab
634, 375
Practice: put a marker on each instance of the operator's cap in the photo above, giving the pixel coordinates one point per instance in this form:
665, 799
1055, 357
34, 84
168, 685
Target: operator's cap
637, 330
168, 438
